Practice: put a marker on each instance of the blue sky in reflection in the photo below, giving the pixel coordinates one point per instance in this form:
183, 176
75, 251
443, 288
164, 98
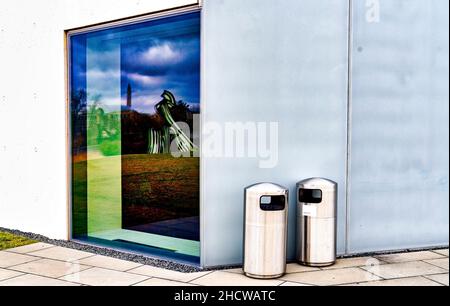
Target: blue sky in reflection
151, 57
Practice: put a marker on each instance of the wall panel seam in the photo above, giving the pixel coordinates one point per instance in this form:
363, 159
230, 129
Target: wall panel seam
349, 125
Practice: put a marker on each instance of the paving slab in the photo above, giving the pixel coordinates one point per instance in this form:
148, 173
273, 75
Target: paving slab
157, 282
50, 268
440, 278
31, 248
104, 277
441, 263
354, 262
290, 284
8, 259
5, 274
109, 263
226, 279
331, 277
405, 257
296, 268
167, 274
405, 269
443, 252
60, 253
403, 282
35, 281
237, 271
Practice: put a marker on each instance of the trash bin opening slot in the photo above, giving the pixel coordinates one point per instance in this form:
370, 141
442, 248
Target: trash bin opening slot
312, 196
272, 203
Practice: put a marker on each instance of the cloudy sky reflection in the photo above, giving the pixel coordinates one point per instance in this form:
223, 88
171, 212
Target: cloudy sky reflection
151, 57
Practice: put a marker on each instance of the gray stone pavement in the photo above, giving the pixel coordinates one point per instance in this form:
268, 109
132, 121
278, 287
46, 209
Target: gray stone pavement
44, 264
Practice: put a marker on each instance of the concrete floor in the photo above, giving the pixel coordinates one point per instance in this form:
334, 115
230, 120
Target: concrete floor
43, 264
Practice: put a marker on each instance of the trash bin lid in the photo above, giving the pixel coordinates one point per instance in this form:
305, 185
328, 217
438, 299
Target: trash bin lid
318, 183
267, 188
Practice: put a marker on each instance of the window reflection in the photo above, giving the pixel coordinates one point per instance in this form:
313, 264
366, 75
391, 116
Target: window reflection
134, 89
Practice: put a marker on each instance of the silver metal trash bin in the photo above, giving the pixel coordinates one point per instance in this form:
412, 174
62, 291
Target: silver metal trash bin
265, 234
316, 222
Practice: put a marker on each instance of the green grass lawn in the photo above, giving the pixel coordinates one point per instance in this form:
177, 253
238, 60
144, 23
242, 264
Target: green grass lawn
9, 241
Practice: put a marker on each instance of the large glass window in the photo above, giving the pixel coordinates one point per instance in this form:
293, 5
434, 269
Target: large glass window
134, 100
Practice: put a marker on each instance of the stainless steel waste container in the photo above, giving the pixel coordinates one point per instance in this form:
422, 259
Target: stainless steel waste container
265, 234
316, 222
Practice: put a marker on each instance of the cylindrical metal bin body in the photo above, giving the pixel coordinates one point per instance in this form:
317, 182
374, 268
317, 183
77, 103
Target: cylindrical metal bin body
265, 234
316, 222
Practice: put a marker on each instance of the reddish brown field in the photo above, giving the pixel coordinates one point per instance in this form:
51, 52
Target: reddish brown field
154, 188
158, 188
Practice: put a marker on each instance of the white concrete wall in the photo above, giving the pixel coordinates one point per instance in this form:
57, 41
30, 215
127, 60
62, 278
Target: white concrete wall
32, 104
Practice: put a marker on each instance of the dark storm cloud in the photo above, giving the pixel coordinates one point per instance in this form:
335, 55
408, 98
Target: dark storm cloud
153, 66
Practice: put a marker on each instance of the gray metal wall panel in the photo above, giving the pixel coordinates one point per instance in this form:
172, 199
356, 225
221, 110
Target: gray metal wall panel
399, 187
283, 61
